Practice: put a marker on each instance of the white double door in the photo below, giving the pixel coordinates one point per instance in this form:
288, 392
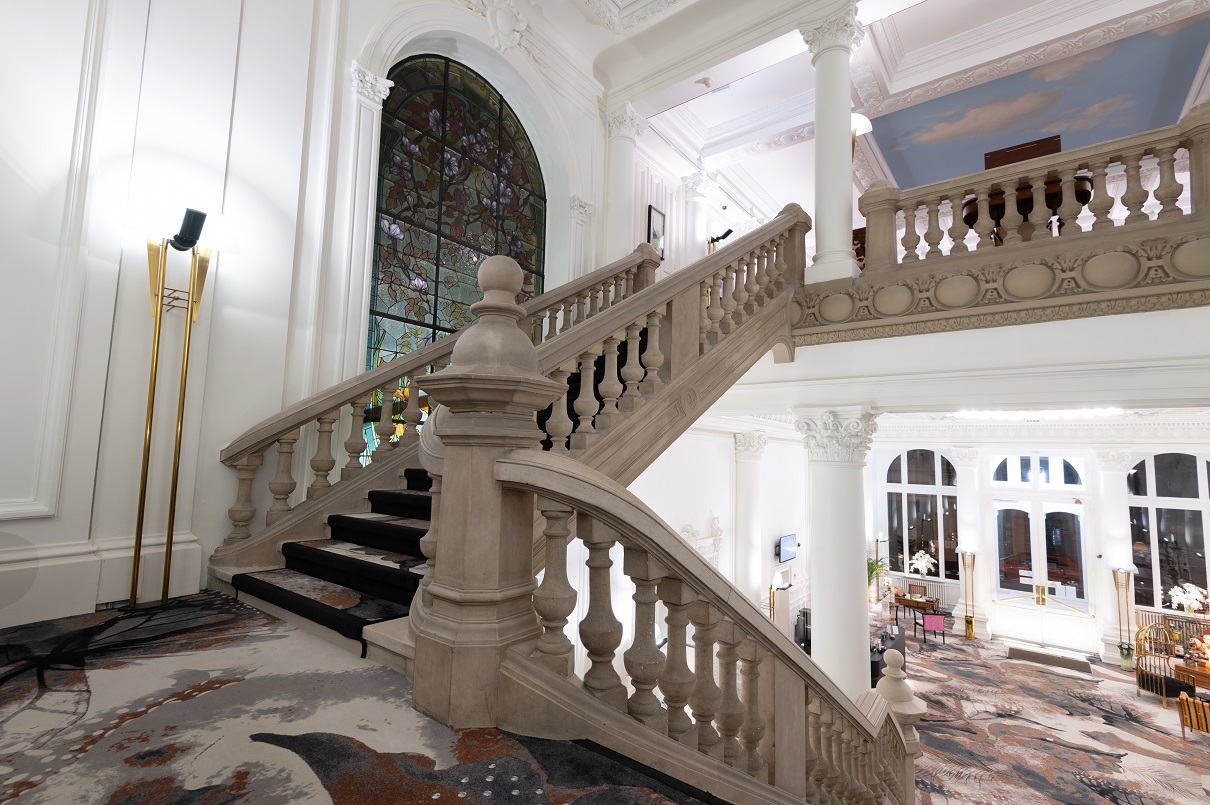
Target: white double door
1041, 580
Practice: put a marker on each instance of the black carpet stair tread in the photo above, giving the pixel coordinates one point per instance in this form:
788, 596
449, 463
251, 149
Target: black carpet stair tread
417, 479
335, 606
416, 503
386, 574
386, 531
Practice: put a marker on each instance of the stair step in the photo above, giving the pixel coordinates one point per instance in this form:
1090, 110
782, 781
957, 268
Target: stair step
412, 503
335, 606
385, 531
385, 574
417, 479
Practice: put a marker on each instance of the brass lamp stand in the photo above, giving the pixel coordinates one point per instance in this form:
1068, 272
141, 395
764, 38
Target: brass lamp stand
968, 591
1121, 583
165, 298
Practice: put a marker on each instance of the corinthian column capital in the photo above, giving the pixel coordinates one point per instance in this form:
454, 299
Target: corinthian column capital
839, 30
372, 87
625, 123
840, 435
750, 445
1115, 460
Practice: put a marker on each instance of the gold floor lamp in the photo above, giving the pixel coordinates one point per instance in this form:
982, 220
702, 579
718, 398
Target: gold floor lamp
165, 298
968, 591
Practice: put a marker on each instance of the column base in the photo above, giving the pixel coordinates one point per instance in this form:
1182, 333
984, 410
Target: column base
833, 265
1111, 654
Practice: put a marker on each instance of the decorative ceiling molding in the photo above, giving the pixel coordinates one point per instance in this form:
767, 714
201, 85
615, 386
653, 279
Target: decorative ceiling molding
622, 15
1120, 432
776, 142
792, 111
864, 174
504, 22
875, 103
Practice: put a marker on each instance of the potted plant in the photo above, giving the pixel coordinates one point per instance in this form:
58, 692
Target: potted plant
922, 562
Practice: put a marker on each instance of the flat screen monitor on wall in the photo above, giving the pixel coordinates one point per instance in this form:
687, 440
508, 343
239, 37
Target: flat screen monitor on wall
787, 548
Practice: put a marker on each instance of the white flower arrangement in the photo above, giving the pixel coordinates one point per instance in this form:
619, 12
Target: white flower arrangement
922, 563
1187, 596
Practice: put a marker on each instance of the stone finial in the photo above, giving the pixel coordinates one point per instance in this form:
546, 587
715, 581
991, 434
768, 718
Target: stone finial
899, 695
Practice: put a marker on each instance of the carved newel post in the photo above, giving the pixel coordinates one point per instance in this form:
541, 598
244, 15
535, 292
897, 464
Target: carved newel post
482, 584
907, 709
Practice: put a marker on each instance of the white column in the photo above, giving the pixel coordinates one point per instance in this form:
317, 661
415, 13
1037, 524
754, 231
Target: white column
749, 537
970, 515
1115, 549
831, 42
837, 442
698, 189
624, 127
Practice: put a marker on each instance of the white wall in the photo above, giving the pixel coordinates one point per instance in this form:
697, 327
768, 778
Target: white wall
233, 107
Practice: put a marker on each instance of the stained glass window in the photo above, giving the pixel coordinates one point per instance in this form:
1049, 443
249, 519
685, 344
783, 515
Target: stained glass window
458, 181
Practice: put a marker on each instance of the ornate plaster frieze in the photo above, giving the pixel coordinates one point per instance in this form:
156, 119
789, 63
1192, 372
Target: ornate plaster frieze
373, 88
581, 210
837, 436
708, 542
864, 174
875, 103
625, 123
1116, 460
750, 445
841, 30
700, 185
780, 140
1161, 273
504, 22
622, 15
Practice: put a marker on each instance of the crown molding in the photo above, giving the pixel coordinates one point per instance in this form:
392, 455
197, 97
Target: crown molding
1126, 432
622, 15
786, 114
880, 98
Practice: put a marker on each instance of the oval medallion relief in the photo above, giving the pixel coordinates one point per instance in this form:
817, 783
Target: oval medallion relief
894, 300
837, 307
1193, 258
1029, 282
1110, 271
956, 291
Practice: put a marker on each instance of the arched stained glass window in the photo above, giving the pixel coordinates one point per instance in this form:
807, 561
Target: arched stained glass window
459, 181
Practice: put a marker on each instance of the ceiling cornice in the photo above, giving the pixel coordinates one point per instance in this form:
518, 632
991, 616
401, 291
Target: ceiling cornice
785, 114
877, 99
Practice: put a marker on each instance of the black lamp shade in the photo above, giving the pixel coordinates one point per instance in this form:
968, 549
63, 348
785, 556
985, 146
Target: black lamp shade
191, 230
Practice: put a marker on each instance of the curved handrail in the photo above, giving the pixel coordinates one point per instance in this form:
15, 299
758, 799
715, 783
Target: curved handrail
568, 481
264, 433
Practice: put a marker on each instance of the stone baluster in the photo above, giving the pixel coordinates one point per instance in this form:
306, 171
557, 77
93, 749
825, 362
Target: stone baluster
779, 262
653, 359
1012, 220
730, 716
1169, 189
848, 748
555, 598
619, 287
412, 415
1039, 216
644, 661
600, 631
1070, 208
907, 709
707, 695
816, 737
594, 300
242, 511
911, 238
552, 322
586, 405
843, 784
628, 290
1101, 202
750, 657
559, 425
323, 462
933, 233
742, 267
763, 276
1136, 195
752, 283
865, 776
828, 783
283, 482
569, 308
984, 225
958, 228
810, 757
676, 682
385, 428
704, 324
581, 307
632, 372
355, 445
728, 323
610, 386
714, 313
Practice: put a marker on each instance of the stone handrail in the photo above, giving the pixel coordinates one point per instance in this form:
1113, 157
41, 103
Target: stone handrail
771, 712
1098, 187
578, 329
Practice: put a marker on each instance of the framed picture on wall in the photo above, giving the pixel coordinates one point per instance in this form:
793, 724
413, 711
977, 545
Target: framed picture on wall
655, 229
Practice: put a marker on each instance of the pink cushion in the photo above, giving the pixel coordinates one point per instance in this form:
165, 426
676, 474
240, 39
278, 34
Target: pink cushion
934, 623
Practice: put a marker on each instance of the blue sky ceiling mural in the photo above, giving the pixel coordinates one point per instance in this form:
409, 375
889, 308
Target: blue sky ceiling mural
1135, 84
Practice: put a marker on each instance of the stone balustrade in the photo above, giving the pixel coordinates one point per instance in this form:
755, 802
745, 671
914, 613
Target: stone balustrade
726, 683
1131, 182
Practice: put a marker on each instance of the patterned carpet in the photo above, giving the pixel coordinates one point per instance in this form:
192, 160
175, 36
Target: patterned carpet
208, 701
1020, 733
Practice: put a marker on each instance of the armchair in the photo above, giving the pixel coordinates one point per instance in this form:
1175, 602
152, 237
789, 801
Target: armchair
1153, 652
1195, 713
